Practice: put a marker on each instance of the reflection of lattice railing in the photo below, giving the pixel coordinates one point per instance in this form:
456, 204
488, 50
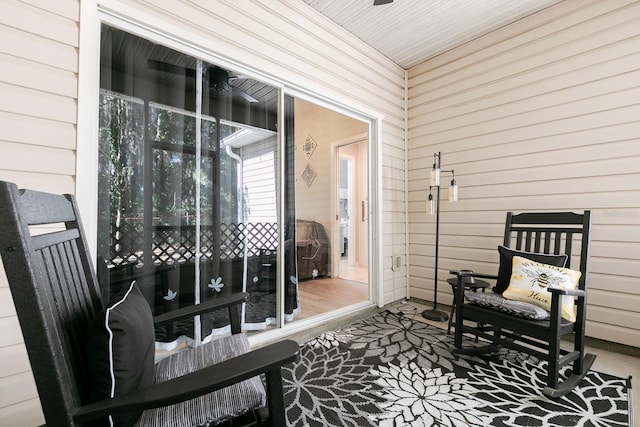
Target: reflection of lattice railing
173, 244
232, 240
176, 244
262, 235
126, 242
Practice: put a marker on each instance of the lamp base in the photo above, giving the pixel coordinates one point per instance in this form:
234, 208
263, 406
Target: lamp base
436, 315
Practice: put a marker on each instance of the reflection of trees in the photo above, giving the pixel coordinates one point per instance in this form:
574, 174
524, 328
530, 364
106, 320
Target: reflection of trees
120, 165
229, 171
120, 154
175, 168
172, 135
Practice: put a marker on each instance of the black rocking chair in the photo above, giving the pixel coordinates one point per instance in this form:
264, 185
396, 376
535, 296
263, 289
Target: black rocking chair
543, 238
57, 299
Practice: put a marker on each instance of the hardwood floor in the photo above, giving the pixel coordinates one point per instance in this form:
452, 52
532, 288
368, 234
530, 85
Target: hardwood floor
319, 296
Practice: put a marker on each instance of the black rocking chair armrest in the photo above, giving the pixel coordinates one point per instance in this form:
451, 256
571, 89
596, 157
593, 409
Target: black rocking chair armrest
467, 273
571, 292
204, 307
260, 361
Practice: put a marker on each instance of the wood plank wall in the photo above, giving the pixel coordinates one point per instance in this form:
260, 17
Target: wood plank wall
541, 115
40, 56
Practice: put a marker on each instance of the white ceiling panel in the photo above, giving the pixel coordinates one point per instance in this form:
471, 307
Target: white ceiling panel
412, 31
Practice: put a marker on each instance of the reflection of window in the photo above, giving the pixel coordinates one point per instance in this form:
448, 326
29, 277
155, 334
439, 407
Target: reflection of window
177, 183
177, 177
178, 127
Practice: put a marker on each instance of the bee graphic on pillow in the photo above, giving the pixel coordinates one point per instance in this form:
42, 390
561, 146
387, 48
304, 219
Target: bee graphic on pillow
543, 278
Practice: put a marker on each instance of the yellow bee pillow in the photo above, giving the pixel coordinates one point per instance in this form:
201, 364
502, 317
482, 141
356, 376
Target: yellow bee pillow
530, 280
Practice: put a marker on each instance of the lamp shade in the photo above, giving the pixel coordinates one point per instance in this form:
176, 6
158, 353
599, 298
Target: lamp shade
430, 205
434, 176
453, 191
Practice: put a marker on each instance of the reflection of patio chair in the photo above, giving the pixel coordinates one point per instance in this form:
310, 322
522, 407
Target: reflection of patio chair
92, 362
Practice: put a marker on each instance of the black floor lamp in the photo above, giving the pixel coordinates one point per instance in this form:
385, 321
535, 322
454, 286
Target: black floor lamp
436, 171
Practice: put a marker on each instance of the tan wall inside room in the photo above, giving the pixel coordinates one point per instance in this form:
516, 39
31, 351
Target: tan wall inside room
326, 127
540, 115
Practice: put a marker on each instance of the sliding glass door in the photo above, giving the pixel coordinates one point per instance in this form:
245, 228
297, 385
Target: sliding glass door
212, 183
188, 184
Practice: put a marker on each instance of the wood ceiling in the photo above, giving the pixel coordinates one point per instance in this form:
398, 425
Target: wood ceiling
409, 32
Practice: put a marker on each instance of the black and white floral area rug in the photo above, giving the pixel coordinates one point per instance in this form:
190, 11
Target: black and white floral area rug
392, 370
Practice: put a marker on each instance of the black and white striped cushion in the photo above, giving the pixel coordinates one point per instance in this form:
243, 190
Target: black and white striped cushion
499, 303
214, 407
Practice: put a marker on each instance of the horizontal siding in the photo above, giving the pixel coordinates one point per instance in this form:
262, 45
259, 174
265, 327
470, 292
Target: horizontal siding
36, 131
540, 115
18, 354
36, 159
39, 50
35, 103
26, 413
22, 388
64, 184
38, 109
25, 73
57, 22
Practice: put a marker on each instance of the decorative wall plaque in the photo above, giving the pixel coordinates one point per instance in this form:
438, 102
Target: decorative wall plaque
309, 146
309, 175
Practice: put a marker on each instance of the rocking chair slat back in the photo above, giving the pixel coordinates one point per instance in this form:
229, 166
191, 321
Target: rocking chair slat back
540, 232
46, 260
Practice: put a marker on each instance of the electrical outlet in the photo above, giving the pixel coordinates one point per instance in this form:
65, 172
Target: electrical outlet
396, 262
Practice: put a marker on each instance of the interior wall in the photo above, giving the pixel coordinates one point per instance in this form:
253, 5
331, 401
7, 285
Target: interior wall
541, 115
325, 127
39, 98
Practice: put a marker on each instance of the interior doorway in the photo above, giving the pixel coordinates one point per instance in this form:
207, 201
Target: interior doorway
348, 282
322, 137
352, 251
